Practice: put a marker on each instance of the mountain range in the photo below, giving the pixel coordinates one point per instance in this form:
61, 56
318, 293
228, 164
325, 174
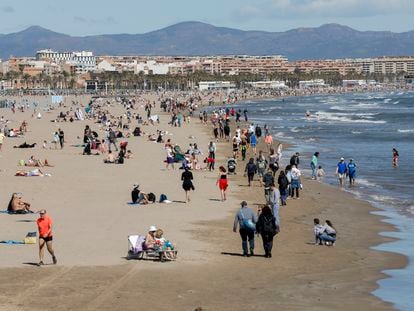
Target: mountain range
194, 38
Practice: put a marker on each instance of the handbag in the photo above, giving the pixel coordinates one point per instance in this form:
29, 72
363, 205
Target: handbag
247, 224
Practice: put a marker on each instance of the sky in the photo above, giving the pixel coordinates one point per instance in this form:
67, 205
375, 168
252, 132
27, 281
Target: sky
91, 17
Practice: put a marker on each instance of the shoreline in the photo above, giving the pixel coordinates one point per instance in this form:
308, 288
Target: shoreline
184, 284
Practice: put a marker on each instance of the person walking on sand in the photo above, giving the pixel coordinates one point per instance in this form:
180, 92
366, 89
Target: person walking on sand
187, 179
44, 225
170, 157
250, 170
295, 183
246, 219
267, 228
61, 137
222, 182
274, 199
314, 164
1, 138
341, 169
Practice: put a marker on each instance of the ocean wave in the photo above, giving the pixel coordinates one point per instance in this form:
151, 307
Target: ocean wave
356, 132
294, 129
366, 183
406, 131
387, 100
396, 102
341, 117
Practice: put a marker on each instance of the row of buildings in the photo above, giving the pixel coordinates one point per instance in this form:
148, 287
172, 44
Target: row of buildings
50, 63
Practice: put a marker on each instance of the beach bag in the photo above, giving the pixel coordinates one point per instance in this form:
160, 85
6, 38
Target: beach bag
30, 238
163, 197
261, 164
247, 224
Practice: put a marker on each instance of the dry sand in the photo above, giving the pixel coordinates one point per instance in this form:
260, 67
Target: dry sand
88, 203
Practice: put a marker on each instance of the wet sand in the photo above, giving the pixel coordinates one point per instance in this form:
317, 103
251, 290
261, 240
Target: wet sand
88, 202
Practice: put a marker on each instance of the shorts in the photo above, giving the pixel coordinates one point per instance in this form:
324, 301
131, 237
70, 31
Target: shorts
47, 239
341, 176
253, 145
170, 160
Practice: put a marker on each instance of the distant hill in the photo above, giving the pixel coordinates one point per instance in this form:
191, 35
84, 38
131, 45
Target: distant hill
195, 38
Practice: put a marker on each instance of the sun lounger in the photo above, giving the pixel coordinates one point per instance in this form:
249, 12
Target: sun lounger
136, 250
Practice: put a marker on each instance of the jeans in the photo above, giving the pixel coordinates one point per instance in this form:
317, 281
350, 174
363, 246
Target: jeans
275, 211
267, 242
247, 234
313, 167
327, 238
112, 143
284, 193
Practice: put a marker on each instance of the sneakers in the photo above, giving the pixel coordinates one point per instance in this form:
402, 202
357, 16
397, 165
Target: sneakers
40, 263
251, 252
54, 260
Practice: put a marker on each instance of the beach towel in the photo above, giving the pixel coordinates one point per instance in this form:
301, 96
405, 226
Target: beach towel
132, 203
11, 242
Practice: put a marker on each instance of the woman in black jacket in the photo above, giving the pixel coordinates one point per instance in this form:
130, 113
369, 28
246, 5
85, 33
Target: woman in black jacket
283, 187
266, 226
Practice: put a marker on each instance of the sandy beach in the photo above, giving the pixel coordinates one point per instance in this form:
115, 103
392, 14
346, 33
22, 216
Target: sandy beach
87, 200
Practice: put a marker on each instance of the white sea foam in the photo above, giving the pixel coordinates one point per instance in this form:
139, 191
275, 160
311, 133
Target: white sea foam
395, 103
366, 183
294, 129
341, 117
406, 131
387, 100
356, 132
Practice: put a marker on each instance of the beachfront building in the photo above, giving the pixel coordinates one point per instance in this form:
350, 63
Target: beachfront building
216, 85
152, 67
267, 85
387, 65
311, 84
83, 61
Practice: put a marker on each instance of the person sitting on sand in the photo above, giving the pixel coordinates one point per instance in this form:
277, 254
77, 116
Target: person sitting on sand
135, 193
317, 231
328, 235
110, 158
17, 205
146, 198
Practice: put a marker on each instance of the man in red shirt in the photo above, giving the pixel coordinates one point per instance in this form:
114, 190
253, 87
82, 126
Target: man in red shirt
44, 224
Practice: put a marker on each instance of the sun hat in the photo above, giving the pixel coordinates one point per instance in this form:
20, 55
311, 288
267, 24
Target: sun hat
152, 229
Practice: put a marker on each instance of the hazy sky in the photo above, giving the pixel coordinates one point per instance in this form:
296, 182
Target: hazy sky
86, 17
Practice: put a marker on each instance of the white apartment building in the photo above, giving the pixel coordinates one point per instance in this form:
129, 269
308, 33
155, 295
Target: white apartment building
151, 67
83, 61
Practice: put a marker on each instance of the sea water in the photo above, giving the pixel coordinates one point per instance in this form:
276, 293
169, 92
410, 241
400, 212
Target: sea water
364, 127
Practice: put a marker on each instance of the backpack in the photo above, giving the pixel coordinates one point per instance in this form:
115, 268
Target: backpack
261, 164
163, 197
269, 225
